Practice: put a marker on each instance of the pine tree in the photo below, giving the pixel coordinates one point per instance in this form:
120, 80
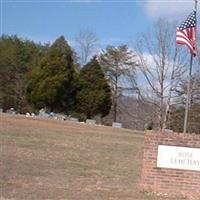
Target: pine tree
119, 65
94, 95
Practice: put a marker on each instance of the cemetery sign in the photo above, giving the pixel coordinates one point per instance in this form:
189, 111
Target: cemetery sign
175, 157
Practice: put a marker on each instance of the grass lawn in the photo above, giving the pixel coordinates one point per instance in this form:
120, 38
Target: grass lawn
46, 159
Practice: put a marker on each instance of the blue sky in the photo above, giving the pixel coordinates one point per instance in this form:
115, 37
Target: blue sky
113, 21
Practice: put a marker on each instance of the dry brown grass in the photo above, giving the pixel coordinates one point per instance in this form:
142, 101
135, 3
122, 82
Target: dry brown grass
45, 159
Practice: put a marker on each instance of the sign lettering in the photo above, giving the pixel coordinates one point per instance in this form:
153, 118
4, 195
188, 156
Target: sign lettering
174, 157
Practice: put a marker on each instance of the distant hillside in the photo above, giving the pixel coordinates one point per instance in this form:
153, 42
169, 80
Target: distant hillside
133, 114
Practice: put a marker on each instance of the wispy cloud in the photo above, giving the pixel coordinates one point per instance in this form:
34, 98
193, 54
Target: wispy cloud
172, 9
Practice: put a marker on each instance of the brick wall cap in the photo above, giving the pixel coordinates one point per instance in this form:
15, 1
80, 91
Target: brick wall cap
160, 133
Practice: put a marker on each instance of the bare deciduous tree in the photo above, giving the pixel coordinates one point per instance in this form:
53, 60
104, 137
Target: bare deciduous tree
162, 65
87, 42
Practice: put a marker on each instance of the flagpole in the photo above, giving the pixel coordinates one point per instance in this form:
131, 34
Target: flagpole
188, 96
195, 7
189, 88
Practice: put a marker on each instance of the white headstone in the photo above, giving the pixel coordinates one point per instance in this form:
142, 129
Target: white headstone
43, 113
168, 131
116, 125
27, 114
91, 121
73, 119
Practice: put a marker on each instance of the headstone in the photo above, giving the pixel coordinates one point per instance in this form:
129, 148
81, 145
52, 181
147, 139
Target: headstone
59, 116
73, 119
116, 125
28, 114
43, 113
32, 114
1, 110
52, 114
168, 131
91, 121
12, 111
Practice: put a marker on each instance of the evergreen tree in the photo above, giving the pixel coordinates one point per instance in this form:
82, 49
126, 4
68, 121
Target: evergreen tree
51, 85
17, 58
94, 95
119, 65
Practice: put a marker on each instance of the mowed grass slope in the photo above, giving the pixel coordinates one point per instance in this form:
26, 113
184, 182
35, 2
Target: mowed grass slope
46, 159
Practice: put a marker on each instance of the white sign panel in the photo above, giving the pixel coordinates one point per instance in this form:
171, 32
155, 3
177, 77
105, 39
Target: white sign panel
178, 157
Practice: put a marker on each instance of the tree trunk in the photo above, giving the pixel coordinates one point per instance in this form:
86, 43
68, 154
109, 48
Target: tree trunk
115, 96
115, 111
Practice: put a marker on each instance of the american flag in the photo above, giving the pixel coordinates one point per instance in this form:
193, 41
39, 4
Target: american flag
186, 33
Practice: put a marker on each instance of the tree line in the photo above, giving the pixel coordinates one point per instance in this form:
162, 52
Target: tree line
147, 83
35, 76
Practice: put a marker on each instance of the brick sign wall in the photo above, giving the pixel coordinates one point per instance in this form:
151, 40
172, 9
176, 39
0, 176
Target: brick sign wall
171, 164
